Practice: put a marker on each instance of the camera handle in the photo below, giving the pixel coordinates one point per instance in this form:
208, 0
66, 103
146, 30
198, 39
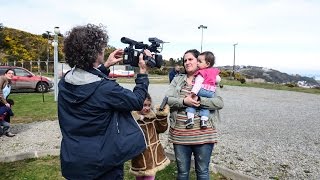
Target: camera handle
150, 61
163, 104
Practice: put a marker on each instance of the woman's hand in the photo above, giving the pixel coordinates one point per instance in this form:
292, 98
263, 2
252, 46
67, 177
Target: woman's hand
189, 101
114, 57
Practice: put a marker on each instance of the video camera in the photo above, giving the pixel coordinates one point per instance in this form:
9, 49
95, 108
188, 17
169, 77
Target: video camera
131, 54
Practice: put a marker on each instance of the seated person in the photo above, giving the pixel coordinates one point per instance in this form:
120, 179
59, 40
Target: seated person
6, 111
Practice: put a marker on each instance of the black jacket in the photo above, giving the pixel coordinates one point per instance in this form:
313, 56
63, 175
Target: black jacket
97, 126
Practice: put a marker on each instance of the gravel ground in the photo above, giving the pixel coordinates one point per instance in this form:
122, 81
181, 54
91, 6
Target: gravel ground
268, 134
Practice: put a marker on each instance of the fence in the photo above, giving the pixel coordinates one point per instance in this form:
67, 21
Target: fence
38, 66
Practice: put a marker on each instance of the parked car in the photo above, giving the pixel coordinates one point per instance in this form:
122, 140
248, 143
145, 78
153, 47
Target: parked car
121, 73
24, 79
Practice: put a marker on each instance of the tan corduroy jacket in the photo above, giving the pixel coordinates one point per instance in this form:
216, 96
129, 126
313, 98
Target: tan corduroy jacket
153, 159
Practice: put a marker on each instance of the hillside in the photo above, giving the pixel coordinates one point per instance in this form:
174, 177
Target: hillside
17, 45
271, 75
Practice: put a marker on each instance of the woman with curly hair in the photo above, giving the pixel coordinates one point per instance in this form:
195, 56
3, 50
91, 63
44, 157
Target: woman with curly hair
99, 133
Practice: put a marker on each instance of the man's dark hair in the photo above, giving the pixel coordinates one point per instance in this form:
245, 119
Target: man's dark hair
83, 44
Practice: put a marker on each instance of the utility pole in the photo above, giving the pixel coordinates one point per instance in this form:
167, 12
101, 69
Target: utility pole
48, 54
202, 27
234, 59
55, 63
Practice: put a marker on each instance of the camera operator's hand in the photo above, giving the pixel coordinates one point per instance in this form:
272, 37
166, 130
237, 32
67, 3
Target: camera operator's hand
114, 57
142, 63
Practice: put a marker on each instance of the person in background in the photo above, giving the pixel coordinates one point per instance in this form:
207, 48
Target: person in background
175, 71
5, 90
6, 111
5, 86
153, 159
196, 141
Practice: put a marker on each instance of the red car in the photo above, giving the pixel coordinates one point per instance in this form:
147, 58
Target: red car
24, 79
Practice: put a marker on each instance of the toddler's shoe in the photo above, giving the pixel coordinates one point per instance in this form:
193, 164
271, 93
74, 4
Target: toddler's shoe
203, 124
189, 123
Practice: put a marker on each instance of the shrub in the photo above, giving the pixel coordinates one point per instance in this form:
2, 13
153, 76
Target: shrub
158, 71
242, 80
291, 85
224, 73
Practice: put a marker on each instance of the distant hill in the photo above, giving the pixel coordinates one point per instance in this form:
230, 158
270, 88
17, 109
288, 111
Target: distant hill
17, 45
271, 75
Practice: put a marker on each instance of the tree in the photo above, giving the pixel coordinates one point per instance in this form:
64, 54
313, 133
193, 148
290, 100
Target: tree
2, 55
108, 51
45, 36
1, 35
172, 62
180, 61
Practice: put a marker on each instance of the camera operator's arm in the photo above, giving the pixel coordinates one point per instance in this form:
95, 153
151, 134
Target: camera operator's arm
114, 57
123, 99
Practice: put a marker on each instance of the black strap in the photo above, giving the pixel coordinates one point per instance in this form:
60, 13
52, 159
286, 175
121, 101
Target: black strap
97, 72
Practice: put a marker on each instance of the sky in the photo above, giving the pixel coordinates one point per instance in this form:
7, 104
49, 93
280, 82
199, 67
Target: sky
278, 34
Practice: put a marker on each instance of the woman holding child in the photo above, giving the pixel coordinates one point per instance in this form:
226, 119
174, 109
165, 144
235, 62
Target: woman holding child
196, 140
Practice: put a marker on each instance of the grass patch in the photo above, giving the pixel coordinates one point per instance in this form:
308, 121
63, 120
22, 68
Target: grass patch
49, 168
44, 168
29, 107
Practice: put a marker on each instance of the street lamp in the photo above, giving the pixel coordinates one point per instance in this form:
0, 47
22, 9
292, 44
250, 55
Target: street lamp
202, 27
55, 61
48, 55
234, 58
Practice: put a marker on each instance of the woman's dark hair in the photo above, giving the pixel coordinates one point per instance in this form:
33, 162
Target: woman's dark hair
8, 71
83, 44
194, 52
209, 57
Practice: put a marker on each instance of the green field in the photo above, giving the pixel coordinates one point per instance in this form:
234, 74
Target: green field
29, 107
